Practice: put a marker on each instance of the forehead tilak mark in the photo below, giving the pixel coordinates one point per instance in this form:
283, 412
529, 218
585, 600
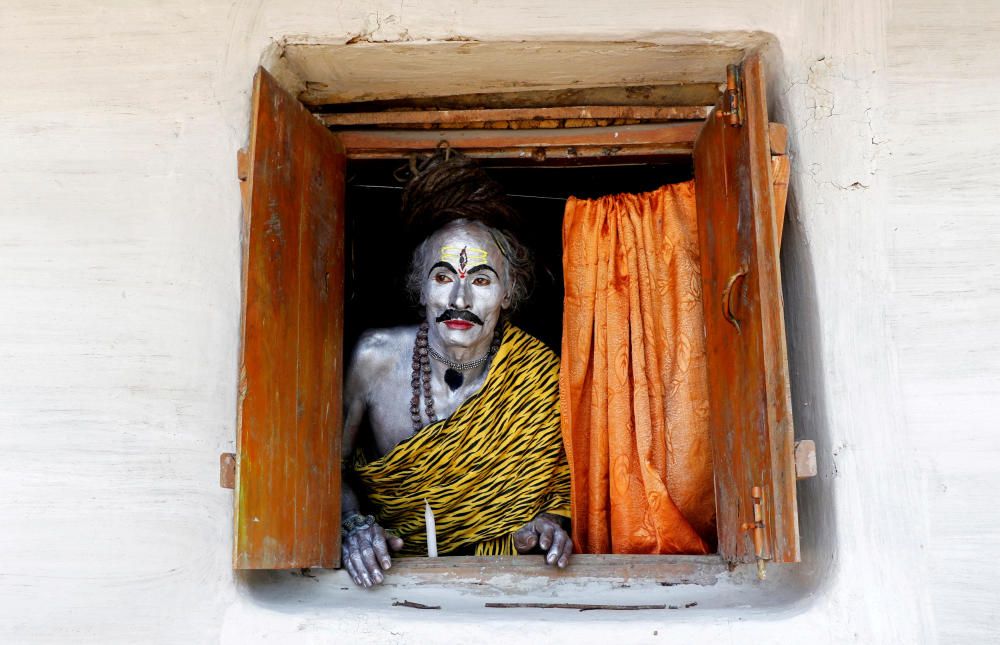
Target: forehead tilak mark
464, 255
474, 254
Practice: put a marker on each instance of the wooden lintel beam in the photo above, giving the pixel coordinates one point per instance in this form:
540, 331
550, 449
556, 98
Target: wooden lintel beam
328, 100
556, 155
665, 138
432, 117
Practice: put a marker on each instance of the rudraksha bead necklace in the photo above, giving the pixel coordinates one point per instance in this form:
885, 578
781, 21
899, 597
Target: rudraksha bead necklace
421, 376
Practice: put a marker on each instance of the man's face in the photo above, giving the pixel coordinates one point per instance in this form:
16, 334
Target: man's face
464, 290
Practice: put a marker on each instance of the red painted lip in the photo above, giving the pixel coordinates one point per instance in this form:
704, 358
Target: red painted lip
458, 324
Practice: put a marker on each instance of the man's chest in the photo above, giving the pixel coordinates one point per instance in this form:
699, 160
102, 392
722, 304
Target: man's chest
390, 403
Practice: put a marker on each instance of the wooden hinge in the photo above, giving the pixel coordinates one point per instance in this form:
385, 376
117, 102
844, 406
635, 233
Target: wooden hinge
732, 98
227, 470
757, 528
805, 459
242, 394
243, 174
242, 164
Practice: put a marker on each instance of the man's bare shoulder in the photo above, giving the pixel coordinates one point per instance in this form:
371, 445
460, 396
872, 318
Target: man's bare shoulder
381, 350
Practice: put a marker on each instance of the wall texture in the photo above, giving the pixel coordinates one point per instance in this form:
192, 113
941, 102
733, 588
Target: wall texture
119, 230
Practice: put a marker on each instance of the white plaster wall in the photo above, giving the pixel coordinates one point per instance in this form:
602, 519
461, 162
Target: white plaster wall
119, 223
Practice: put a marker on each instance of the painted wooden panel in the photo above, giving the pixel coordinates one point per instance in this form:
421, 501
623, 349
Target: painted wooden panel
288, 478
751, 424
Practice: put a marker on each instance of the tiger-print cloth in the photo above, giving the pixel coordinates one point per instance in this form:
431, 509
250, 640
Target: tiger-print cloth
486, 470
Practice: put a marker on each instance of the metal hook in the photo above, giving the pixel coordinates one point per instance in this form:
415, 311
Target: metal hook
727, 294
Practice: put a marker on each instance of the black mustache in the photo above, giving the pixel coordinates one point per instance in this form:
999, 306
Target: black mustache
455, 314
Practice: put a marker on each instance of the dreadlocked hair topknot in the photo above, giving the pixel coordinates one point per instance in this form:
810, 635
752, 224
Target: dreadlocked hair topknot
448, 186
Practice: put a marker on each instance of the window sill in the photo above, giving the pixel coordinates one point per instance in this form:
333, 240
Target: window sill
515, 573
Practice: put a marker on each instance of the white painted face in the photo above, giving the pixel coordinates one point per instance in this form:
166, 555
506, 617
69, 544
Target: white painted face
465, 288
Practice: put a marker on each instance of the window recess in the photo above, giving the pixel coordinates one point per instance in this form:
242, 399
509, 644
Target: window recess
286, 468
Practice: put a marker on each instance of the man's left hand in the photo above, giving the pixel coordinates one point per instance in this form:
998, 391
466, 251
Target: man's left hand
546, 533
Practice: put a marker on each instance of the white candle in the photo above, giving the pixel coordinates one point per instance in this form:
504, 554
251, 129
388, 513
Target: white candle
432, 542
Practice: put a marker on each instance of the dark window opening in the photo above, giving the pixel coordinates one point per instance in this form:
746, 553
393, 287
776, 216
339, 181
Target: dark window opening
378, 254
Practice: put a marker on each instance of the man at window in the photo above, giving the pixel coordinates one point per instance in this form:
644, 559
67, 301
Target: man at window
463, 408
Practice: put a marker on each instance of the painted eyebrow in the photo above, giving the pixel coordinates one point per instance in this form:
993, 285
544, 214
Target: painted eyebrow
443, 265
483, 267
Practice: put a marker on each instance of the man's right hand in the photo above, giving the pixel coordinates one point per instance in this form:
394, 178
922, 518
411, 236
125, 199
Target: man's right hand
365, 553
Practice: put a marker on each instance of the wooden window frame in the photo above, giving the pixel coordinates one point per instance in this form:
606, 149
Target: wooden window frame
676, 133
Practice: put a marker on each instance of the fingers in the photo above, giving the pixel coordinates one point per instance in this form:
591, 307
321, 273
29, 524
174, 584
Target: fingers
567, 551
371, 564
558, 539
381, 547
526, 538
395, 542
547, 533
345, 558
362, 577
366, 556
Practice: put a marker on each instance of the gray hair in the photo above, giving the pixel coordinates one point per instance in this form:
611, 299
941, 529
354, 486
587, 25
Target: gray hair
518, 271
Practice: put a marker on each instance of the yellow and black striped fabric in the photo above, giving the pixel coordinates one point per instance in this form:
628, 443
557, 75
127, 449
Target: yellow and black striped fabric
488, 469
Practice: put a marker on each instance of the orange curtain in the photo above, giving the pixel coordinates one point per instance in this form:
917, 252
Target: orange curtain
633, 382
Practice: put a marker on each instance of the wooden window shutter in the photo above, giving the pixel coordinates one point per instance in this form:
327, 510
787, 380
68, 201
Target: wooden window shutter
750, 407
290, 412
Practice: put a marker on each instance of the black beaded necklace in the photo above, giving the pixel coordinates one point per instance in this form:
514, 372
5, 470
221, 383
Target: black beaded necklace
421, 377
